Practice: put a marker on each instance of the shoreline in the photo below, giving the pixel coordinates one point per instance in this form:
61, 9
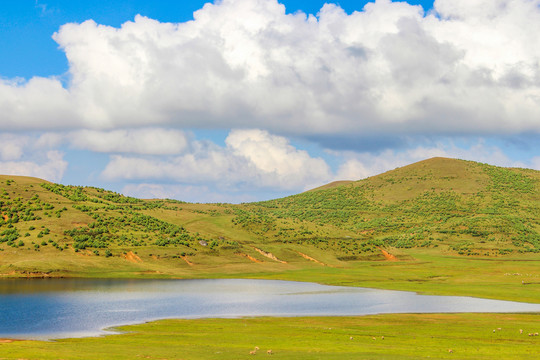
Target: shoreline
462, 305
280, 277
116, 329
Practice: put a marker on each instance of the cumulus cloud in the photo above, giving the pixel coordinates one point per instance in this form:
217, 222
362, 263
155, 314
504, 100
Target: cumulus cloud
12, 146
467, 67
252, 158
154, 141
31, 155
275, 159
38, 103
52, 168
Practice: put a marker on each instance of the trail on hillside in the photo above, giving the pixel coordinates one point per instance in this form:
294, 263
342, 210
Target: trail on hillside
388, 256
187, 260
131, 257
311, 259
249, 257
269, 255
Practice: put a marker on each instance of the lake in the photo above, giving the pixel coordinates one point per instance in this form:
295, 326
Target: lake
57, 308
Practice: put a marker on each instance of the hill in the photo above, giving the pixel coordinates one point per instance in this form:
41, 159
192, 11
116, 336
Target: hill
427, 212
332, 185
471, 208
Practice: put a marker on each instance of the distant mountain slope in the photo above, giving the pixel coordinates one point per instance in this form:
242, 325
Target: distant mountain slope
332, 185
39, 213
473, 208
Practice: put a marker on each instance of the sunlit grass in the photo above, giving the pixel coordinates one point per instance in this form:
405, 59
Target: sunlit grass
435, 336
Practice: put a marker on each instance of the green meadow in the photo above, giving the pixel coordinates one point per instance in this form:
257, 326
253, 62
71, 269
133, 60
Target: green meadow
441, 226
407, 336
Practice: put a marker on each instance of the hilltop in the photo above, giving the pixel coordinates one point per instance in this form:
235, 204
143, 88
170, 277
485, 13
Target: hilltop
434, 209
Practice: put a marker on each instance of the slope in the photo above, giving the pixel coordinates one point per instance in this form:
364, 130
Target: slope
464, 207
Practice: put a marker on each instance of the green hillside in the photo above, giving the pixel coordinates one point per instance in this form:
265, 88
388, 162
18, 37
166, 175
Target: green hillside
436, 222
463, 207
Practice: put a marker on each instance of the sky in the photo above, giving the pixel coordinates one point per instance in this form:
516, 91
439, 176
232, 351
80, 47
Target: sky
247, 100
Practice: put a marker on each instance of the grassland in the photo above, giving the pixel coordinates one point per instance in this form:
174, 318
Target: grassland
440, 226
406, 336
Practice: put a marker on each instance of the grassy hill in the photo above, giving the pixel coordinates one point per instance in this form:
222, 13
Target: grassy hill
429, 226
463, 207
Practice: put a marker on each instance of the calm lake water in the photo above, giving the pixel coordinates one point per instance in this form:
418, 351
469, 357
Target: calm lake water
56, 308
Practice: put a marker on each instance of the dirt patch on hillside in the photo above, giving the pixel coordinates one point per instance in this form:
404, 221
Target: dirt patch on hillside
6, 341
131, 257
5, 217
249, 257
388, 256
79, 224
307, 257
185, 258
269, 255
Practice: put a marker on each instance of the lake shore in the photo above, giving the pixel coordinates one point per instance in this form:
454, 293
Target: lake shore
426, 272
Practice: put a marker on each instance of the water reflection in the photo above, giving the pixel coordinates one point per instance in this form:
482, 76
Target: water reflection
52, 308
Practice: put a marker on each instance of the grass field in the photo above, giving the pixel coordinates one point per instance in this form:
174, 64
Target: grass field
440, 226
407, 336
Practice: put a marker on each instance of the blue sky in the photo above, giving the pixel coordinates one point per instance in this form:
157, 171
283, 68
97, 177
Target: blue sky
246, 101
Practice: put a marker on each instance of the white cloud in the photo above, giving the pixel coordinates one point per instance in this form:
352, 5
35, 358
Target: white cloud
36, 104
31, 155
49, 140
154, 141
276, 160
12, 146
473, 68
52, 168
535, 163
252, 158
